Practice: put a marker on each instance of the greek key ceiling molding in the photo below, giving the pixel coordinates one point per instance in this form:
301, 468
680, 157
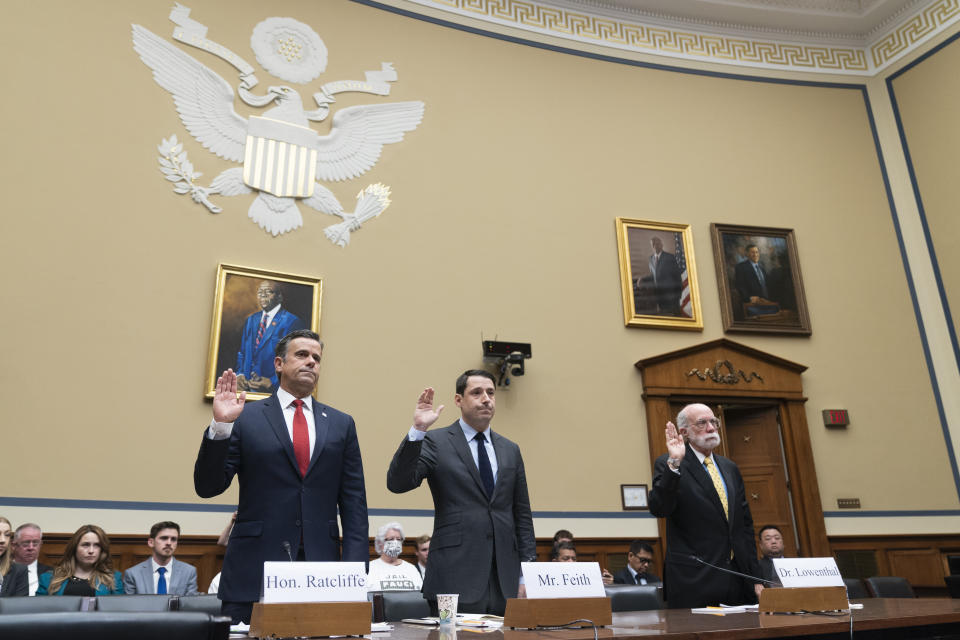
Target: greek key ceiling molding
605, 25
915, 31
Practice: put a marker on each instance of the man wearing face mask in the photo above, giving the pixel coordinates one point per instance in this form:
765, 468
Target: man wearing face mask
389, 572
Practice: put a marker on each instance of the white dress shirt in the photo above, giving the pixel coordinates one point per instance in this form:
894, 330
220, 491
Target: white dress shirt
222, 430
156, 574
468, 432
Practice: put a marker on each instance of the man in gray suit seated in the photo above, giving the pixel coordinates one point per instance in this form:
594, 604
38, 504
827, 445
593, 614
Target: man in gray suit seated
160, 573
482, 527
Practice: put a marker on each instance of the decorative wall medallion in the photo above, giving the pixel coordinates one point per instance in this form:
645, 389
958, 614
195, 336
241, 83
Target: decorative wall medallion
733, 375
283, 157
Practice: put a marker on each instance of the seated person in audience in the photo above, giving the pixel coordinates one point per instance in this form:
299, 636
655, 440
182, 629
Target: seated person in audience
771, 546
13, 575
639, 559
389, 572
563, 551
224, 538
86, 569
27, 540
562, 536
161, 573
423, 549
223, 541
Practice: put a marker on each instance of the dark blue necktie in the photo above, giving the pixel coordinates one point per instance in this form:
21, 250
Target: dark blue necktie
483, 462
161, 581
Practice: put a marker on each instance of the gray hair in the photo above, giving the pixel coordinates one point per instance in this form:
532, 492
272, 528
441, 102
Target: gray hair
26, 525
382, 535
683, 420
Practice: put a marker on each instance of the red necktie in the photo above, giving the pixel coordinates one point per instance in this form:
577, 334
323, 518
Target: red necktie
263, 326
301, 438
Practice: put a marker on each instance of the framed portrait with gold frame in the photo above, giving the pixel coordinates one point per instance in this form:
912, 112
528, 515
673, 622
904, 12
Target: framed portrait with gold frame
252, 310
658, 275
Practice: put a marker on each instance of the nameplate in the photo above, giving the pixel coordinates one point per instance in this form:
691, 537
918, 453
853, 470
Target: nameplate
314, 582
562, 579
808, 572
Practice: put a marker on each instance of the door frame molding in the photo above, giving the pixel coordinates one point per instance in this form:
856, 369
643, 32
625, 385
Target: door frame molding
724, 371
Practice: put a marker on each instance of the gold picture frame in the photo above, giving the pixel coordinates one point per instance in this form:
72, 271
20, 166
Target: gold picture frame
659, 287
237, 311
778, 304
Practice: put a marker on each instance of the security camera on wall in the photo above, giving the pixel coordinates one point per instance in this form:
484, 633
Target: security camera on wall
509, 358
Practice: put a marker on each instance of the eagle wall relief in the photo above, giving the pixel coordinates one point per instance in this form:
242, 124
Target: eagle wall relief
283, 158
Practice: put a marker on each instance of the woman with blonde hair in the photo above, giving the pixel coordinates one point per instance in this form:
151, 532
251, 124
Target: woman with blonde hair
14, 580
86, 569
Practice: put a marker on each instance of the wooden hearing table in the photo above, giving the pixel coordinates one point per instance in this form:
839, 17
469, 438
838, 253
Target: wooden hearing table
880, 617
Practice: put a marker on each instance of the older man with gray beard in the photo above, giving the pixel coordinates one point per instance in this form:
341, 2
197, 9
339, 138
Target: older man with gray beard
702, 498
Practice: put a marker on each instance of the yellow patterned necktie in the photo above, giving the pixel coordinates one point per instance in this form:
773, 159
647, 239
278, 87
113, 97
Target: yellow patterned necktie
717, 484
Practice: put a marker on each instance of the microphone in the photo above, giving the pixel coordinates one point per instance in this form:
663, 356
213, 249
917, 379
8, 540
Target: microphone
735, 573
286, 547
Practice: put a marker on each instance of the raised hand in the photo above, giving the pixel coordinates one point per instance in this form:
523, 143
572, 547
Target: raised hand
675, 446
425, 415
226, 405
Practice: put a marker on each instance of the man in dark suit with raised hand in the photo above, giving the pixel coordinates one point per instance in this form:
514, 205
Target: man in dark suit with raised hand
483, 527
298, 463
702, 497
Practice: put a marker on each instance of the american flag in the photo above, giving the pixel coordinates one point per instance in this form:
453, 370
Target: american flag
686, 308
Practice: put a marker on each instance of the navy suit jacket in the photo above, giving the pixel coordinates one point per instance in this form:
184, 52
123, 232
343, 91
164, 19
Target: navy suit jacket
697, 526
468, 527
668, 282
747, 282
625, 577
276, 504
258, 359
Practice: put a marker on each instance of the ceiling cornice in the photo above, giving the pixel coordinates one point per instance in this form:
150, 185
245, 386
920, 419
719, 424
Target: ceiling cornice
851, 37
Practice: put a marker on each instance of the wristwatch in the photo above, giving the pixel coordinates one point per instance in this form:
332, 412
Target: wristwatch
674, 463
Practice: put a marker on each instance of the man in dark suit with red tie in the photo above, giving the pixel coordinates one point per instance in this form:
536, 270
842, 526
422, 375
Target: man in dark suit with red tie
261, 333
702, 497
298, 463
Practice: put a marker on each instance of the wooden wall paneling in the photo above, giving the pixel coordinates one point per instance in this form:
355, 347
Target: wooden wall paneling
922, 559
922, 567
805, 488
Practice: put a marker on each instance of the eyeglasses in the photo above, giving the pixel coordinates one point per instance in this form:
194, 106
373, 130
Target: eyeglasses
28, 543
703, 422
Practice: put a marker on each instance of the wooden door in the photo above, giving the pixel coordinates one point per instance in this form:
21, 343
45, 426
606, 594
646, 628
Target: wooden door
753, 441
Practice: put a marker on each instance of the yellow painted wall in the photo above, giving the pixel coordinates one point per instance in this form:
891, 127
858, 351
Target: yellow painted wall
502, 223
928, 96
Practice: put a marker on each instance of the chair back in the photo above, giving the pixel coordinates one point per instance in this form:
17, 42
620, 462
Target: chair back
634, 597
953, 585
100, 625
855, 589
208, 603
889, 587
398, 605
136, 602
40, 604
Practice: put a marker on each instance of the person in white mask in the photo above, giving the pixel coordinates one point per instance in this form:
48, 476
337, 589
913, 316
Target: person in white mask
389, 572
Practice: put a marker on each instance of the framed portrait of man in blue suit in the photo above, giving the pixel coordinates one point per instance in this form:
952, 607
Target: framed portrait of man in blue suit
758, 272
658, 276
252, 310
